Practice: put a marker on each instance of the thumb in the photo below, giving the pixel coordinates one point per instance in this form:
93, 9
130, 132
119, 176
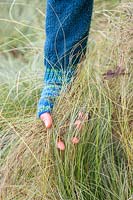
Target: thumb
47, 119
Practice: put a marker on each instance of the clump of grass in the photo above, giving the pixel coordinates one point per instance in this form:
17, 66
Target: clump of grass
100, 166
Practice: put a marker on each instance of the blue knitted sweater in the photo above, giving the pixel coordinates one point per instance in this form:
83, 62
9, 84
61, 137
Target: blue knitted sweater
67, 28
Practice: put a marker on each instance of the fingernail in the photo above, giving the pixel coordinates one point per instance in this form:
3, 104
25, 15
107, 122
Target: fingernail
75, 140
46, 123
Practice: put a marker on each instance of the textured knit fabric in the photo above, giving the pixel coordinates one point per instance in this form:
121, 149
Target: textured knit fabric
67, 28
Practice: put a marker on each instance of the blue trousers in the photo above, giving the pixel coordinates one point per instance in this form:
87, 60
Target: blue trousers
67, 29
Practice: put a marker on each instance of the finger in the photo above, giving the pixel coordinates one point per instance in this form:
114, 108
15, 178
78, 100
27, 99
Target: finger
75, 140
78, 124
47, 119
61, 145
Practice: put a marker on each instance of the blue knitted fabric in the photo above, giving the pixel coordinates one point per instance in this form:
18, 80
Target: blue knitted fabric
67, 28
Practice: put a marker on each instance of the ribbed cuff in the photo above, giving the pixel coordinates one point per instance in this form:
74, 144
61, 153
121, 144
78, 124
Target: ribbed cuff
59, 76
55, 81
48, 96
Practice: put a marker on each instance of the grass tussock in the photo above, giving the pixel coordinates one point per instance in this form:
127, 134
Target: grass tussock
100, 166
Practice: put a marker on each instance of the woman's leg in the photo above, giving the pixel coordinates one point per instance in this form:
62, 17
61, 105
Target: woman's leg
67, 28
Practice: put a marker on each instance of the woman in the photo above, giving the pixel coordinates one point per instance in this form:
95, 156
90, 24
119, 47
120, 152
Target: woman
67, 28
